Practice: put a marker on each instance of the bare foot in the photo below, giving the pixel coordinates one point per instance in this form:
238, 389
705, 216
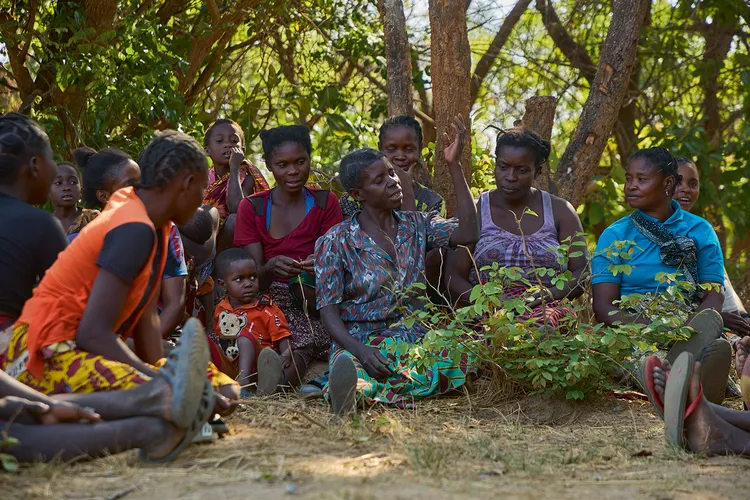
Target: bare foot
158, 400
743, 347
703, 428
171, 437
660, 378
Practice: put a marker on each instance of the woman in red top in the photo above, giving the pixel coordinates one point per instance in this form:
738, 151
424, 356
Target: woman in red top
279, 228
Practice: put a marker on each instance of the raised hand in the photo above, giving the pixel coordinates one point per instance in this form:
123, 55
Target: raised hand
454, 146
236, 158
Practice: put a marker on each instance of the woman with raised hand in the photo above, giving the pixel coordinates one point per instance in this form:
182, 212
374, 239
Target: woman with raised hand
514, 237
365, 271
662, 237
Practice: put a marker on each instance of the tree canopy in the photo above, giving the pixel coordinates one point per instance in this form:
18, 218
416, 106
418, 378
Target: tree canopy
109, 72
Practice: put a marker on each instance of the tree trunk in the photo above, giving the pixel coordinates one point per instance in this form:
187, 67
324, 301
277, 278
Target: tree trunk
451, 81
580, 159
718, 38
398, 58
540, 117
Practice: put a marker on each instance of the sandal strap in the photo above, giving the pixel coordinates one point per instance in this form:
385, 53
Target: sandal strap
690, 409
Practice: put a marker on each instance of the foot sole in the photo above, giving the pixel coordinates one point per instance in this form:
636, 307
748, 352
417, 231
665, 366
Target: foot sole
270, 371
716, 360
675, 398
342, 386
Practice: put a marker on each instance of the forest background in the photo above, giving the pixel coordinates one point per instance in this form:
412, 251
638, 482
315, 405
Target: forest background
624, 74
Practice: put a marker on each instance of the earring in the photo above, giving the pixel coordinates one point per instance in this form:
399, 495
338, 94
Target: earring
667, 193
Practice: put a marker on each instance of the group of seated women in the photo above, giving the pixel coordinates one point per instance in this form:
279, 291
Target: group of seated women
280, 277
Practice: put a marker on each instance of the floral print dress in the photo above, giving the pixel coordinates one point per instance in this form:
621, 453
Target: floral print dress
374, 293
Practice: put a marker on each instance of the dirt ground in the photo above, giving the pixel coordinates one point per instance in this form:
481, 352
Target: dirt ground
469, 446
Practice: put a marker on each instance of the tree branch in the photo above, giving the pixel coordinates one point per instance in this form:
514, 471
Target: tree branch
576, 53
488, 59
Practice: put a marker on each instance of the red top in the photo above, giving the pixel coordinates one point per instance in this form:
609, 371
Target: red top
300, 243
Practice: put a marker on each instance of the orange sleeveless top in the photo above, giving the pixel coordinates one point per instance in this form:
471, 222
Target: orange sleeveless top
54, 312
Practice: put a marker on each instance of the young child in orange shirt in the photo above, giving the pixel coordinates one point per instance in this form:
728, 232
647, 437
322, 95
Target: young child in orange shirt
254, 327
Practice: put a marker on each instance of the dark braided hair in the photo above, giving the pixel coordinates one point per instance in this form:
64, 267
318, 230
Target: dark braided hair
401, 121
275, 137
169, 152
522, 137
229, 257
99, 168
662, 160
223, 121
20, 137
354, 164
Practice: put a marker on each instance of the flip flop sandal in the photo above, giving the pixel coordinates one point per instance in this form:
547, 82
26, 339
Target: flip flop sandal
270, 372
675, 398
342, 386
206, 435
646, 377
716, 361
200, 418
185, 372
310, 391
708, 327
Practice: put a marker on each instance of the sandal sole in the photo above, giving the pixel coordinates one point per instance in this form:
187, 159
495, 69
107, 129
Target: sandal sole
342, 386
716, 360
675, 398
185, 371
270, 371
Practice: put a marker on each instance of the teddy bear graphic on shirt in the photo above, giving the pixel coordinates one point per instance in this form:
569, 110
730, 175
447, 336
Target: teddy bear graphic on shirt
231, 324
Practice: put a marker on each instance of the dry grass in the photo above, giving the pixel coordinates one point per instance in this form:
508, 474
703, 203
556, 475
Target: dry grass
466, 446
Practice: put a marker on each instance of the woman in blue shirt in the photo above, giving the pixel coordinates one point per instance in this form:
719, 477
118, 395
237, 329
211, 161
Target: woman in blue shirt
664, 238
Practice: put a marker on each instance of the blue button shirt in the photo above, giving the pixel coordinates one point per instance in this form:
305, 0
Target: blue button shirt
646, 262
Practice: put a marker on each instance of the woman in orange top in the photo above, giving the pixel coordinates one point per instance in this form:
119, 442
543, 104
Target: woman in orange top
158, 416
103, 289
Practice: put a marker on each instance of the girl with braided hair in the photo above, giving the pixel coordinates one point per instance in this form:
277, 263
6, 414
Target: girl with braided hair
103, 290
26, 173
665, 238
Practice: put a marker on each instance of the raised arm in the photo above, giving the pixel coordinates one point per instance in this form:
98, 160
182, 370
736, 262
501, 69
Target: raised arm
236, 188
467, 231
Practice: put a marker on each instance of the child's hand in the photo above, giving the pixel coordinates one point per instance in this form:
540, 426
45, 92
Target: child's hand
236, 158
62, 411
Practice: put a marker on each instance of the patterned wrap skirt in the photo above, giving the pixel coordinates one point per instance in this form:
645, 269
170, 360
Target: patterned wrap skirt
68, 369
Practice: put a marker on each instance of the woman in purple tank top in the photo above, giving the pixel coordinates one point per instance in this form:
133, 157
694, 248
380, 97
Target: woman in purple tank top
520, 155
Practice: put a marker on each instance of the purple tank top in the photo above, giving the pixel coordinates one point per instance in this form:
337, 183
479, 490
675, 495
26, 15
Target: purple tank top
498, 245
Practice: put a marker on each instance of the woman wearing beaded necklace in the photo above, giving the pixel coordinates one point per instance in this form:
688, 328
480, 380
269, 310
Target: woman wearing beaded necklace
664, 238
